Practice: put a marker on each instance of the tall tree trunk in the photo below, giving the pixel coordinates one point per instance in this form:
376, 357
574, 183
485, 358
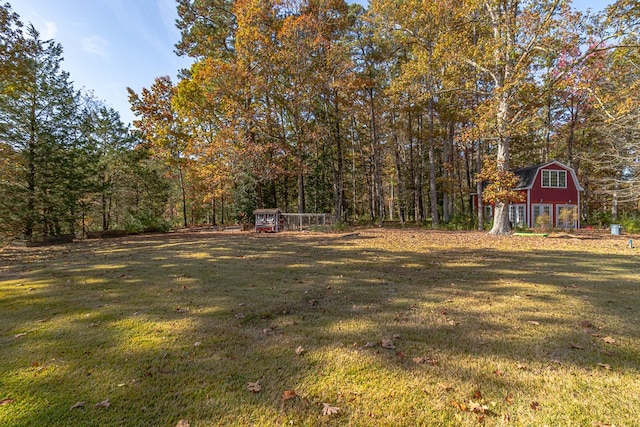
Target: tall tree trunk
433, 189
301, 200
479, 187
501, 210
399, 180
378, 202
184, 196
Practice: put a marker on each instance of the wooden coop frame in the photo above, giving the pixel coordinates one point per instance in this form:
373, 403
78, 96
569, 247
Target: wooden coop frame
268, 220
305, 221
274, 221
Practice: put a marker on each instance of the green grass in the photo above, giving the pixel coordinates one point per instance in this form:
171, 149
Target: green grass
530, 332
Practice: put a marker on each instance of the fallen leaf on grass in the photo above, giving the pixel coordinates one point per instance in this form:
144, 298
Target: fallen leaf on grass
6, 401
77, 405
16, 336
103, 404
388, 343
421, 360
477, 395
299, 350
477, 408
535, 406
288, 394
183, 423
460, 406
254, 387
369, 344
597, 424
605, 366
509, 398
533, 322
327, 409
445, 387
609, 340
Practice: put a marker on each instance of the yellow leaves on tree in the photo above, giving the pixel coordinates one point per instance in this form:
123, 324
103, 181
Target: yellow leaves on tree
500, 185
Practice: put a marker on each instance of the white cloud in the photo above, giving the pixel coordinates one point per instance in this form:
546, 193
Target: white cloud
96, 45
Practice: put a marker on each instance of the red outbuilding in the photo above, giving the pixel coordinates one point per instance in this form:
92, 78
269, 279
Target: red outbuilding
552, 197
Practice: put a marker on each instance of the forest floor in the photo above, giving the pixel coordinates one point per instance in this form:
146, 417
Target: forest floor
374, 327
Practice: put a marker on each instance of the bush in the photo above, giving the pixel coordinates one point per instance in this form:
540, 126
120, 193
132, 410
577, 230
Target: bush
141, 222
630, 224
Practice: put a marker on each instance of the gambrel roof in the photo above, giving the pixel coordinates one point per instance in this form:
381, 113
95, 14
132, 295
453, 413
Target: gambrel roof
528, 175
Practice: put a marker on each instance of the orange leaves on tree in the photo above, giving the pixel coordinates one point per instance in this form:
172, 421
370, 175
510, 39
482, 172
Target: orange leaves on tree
500, 184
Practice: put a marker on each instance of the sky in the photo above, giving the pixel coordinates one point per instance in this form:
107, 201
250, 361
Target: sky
110, 45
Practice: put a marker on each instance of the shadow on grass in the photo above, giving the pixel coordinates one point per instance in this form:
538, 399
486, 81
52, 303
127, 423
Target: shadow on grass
175, 326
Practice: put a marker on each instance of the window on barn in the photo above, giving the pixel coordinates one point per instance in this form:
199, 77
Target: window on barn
517, 216
541, 216
554, 179
488, 213
567, 216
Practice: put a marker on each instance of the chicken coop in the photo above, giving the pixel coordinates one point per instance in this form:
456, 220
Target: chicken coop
268, 220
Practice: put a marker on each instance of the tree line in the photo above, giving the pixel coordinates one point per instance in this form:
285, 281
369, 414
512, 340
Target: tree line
389, 113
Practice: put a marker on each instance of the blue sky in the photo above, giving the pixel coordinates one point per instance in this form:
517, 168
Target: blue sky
110, 45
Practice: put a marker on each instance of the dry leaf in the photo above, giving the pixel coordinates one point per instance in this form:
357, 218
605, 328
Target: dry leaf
521, 367
597, 424
477, 407
509, 398
533, 322
183, 423
388, 344
609, 340
477, 395
77, 405
327, 409
103, 404
460, 406
498, 372
369, 344
16, 336
445, 387
535, 406
605, 366
299, 350
6, 401
288, 394
254, 387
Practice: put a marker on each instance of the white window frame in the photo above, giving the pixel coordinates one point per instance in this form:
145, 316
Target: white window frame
552, 178
559, 222
518, 214
539, 209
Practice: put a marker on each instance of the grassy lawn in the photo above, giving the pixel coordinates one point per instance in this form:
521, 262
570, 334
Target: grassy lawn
393, 327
